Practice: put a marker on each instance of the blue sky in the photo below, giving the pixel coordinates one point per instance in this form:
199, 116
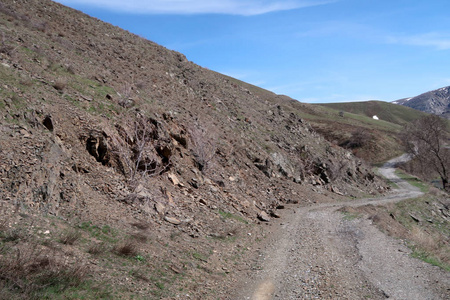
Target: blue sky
311, 50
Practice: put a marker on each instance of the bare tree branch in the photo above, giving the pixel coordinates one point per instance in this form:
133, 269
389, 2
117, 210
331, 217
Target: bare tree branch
425, 140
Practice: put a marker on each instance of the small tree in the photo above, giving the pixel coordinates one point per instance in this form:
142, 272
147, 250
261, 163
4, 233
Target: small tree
425, 139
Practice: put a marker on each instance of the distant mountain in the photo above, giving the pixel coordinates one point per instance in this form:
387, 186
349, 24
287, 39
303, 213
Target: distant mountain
435, 102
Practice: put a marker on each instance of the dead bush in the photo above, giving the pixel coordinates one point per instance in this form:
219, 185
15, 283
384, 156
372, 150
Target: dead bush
26, 81
127, 248
424, 239
31, 271
204, 147
7, 11
360, 138
70, 69
135, 150
125, 96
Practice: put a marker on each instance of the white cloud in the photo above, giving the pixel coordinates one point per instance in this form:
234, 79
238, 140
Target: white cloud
231, 7
436, 40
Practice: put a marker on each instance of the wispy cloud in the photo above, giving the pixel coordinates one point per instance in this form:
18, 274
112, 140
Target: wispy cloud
231, 7
437, 40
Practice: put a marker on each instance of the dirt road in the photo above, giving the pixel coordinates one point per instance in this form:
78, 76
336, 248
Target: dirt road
319, 254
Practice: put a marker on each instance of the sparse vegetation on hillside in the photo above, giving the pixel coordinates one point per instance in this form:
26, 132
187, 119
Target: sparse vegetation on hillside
147, 175
422, 223
343, 123
151, 170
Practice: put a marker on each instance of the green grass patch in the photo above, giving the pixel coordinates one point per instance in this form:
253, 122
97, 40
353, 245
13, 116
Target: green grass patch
428, 258
228, 215
86, 290
386, 111
105, 233
414, 181
348, 216
200, 256
427, 227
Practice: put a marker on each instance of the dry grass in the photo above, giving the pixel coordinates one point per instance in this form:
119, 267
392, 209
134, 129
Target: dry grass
32, 272
432, 243
420, 223
97, 248
69, 237
127, 248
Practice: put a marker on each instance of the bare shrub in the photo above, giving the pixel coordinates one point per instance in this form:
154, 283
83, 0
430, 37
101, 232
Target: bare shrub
141, 85
125, 96
204, 147
7, 11
127, 248
433, 244
26, 81
359, 138
70, 69
30, 272
136, 151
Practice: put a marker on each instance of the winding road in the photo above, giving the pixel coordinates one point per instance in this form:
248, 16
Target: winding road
317, 254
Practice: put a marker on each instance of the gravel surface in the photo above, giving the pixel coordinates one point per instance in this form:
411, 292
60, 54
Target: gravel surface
318, 254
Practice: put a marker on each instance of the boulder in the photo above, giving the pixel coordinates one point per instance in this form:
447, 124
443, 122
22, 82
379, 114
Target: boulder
172, 220
263, 216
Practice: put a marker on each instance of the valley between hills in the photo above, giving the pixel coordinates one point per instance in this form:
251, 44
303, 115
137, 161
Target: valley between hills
129, 172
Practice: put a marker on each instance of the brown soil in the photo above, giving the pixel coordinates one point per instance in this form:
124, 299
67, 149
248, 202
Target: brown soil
317, 252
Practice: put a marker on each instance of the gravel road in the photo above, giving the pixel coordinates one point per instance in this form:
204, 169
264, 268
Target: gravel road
317, 254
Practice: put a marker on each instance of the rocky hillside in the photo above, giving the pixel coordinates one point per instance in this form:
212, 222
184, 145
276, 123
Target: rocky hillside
434, 102
156, 167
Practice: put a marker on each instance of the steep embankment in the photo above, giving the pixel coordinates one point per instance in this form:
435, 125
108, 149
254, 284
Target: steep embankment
138, 170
